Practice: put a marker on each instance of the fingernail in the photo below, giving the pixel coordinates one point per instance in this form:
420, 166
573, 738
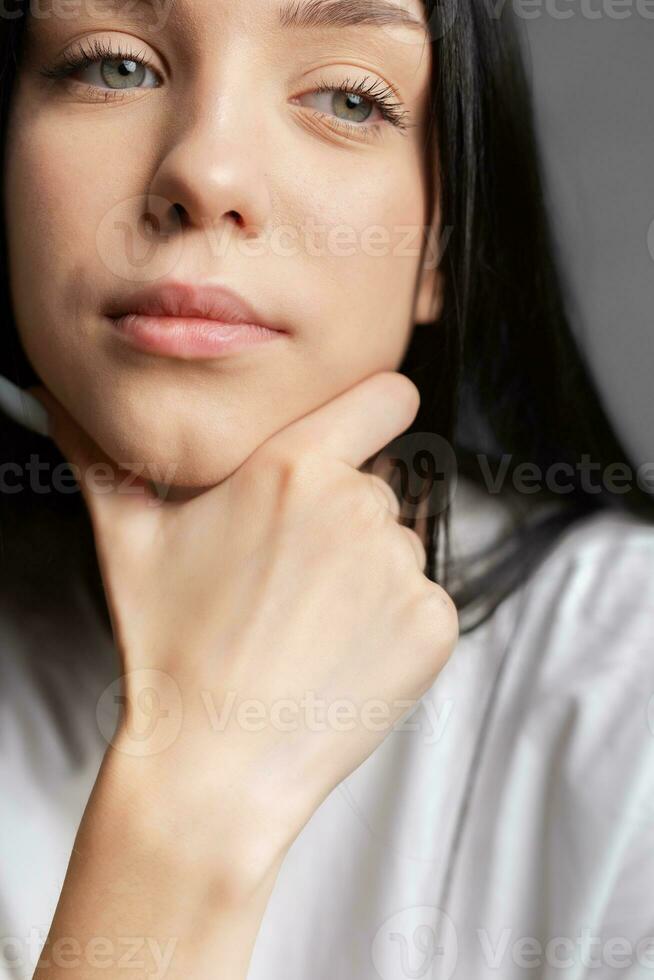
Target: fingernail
23, 408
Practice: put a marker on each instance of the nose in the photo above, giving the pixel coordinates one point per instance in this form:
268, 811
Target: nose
211, 174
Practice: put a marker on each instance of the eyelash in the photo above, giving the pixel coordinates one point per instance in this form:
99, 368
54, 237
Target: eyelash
376, 91
100, 50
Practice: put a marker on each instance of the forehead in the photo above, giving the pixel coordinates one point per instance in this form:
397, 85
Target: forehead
296, 15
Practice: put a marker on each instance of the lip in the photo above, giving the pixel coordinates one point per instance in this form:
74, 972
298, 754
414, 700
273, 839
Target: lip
189, 321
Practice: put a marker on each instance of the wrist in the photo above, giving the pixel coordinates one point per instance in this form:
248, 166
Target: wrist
216, 839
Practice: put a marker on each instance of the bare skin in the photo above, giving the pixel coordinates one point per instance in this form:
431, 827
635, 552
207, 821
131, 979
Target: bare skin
186, 839
321, 229
274, 566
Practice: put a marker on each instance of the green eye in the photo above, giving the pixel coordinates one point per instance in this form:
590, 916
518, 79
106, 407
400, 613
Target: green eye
106, 67
355, 107
120, 74
366, 101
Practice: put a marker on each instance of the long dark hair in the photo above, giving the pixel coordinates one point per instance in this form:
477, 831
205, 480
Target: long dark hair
500, 374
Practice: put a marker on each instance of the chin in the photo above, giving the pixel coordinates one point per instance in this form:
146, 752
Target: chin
185, 476
177, 494
185, 465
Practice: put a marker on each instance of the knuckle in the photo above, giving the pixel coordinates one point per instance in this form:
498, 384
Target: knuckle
383, 494
283, 471
297, 493
418, 546
403, 549
365, 510
436, 621
273, 461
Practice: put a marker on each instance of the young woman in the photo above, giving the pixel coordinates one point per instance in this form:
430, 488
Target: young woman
339, 666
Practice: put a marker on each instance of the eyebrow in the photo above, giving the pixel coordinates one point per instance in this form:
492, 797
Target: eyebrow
320, 13
346, 13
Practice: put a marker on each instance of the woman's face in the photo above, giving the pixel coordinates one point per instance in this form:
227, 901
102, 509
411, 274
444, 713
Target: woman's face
309, 203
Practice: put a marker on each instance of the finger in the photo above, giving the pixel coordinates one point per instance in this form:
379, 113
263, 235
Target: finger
418, 547
384, 495
357, 423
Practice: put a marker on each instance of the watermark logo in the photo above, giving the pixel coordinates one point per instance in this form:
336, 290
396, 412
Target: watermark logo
418, 943
153, 717
422, 469
132, 242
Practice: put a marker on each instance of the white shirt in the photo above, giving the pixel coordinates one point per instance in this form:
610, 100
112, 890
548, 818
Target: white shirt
504, 830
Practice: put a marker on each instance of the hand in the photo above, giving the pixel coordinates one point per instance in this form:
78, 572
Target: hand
290, 579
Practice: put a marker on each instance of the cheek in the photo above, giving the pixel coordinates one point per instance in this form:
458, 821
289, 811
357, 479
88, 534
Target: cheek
351, 298
370, 225
52, 212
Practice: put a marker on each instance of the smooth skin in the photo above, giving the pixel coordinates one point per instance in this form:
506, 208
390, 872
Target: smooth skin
291, 576
274, 566
233, 136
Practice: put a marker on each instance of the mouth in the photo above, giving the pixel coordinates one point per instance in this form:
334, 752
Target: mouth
190, 321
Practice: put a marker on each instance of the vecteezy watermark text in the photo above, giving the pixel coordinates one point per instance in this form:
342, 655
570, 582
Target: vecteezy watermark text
561, 477
41, 477
154, 15
157, 709
144, 953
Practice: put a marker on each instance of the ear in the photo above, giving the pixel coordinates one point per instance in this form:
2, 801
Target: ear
430, 289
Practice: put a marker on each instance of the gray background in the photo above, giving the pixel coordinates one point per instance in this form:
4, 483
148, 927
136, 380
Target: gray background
593, 82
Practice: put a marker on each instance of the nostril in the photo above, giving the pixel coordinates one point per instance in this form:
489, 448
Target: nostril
182, 215
180, 212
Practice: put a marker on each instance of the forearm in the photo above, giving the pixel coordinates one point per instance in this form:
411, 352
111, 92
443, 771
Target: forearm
132, 906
